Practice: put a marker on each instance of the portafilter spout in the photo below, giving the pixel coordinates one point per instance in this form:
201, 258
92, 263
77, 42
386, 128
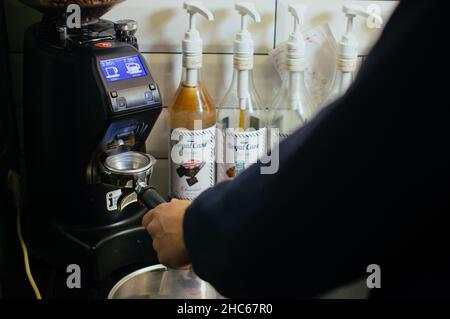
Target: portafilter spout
133, 170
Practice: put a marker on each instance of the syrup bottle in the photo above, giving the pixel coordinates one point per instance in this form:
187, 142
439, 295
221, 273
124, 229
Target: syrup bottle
192, 120
241, 117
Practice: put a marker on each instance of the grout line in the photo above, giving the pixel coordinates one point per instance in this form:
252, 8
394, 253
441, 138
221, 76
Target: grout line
204, 53
172, 53
275, 25
18, 106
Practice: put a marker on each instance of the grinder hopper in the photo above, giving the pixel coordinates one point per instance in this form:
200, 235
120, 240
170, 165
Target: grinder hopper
91, 10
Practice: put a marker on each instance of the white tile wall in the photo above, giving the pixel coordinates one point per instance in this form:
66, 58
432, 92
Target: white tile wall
329, 11
216, 75
163, 23
161, 28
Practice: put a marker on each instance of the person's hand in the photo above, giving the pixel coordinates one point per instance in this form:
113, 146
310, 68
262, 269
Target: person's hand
165, 224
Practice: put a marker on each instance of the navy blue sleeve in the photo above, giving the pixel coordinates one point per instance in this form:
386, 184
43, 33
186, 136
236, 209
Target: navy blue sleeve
349, 190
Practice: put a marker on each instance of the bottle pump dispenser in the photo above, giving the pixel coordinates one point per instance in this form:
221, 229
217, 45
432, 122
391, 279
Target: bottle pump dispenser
347, 56
293, 105
192, 119
193, 43
243, 53
241, 115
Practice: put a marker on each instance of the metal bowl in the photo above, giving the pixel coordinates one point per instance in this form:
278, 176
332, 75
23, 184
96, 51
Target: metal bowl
130, 163
160, 282
127, 168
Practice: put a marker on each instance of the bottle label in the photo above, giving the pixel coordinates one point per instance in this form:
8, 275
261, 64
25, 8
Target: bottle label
192, 61
240, 150
192, 162
243, 63
347, 65
295, 64
283, 136
275, 133
275, 137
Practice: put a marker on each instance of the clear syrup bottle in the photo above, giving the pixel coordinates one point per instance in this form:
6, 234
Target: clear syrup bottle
347, 53
192, 120
293, 105
241, 116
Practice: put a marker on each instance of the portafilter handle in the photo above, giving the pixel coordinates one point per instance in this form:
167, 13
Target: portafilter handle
148, 196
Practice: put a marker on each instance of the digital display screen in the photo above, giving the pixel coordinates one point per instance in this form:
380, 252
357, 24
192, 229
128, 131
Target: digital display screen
122, 68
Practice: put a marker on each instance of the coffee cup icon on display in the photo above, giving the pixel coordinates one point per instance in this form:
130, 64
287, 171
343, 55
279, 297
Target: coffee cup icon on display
112, 72
133, 68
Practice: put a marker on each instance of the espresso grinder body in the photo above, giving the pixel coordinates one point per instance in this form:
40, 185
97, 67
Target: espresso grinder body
86, 98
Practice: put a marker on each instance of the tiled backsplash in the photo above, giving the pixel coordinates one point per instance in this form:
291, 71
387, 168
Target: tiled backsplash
161, 28
162, 23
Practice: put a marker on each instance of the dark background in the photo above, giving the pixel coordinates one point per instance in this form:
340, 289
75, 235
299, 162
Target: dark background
12, 274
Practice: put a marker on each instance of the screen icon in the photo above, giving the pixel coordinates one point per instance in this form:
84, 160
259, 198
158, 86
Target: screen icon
122, 68
133, 68
112, 72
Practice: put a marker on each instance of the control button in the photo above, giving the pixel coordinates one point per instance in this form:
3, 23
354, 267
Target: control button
113, 94
152, 87
121, 102
148, 96
103, 45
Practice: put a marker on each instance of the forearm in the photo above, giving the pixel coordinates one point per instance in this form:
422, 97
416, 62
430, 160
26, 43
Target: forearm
242, 235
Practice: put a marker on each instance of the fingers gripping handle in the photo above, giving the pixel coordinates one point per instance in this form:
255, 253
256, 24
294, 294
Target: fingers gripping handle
150, 197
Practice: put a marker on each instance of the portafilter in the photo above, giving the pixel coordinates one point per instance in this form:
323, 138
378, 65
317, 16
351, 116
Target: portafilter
133, 170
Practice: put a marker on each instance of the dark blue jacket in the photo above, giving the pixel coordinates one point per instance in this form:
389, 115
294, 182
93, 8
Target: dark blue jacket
366, 182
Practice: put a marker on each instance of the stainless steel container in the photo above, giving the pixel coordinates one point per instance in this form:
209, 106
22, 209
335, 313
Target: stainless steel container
160, 282
127, 168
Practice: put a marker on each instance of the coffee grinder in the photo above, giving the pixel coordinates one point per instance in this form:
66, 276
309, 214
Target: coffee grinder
89, 99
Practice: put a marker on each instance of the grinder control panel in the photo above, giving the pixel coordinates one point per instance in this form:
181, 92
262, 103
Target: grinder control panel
127, 79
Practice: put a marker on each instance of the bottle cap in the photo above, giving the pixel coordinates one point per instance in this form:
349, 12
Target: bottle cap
243, 43
296, 47
192, 43
348, 44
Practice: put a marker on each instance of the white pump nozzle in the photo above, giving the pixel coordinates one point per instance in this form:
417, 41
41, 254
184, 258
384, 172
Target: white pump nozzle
348, 45
243, 44
192, 43
247, 9
298, 12
243, 49
296, 47
193, 7
355, 10
295, 54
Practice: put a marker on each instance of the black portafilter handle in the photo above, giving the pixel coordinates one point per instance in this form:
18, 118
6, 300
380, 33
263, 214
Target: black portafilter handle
148, 196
